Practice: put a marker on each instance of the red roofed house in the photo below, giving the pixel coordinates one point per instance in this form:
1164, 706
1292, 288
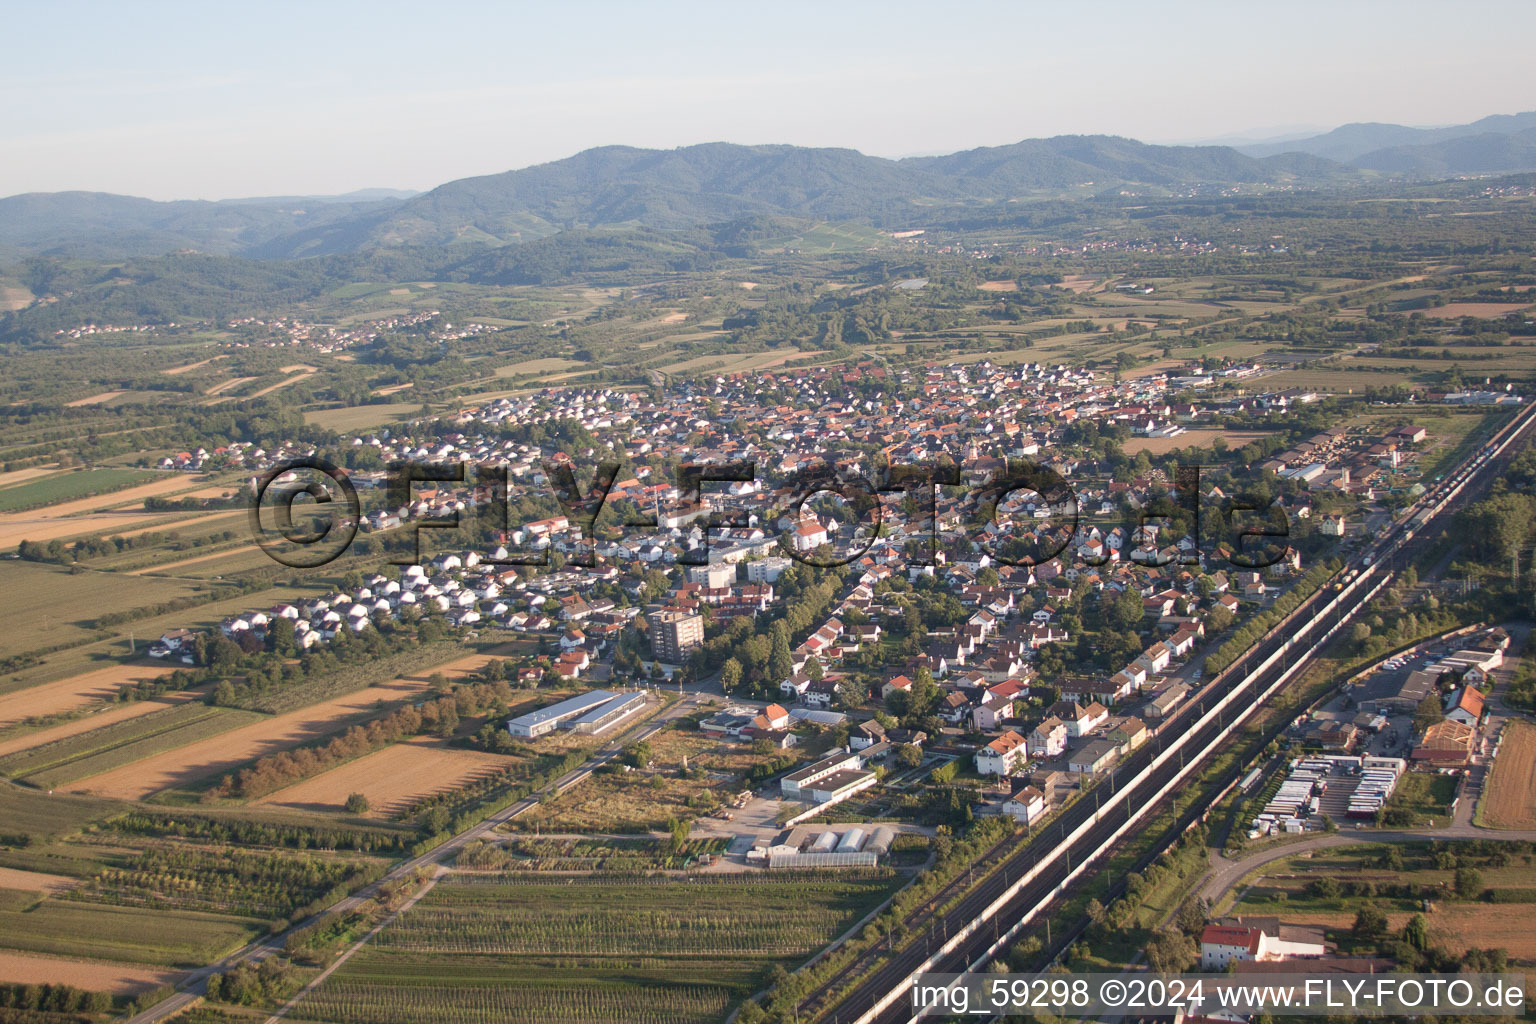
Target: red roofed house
1466, 707
1003, 755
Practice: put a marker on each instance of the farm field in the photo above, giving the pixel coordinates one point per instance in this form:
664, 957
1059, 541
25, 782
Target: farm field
61, 605
160, 937
1510, 799
63, 493
90, 975
70, 487
35, 881
20, 476
551, 364
501, 948
1190, 439
222, 753
739, 363
111, 746
391, 778
97, 399
214, 563
1282, 888
74, 692
361, 417
1487, 310
188, 367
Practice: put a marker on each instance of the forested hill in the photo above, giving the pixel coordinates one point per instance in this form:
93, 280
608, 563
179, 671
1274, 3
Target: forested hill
621, 186
618, 185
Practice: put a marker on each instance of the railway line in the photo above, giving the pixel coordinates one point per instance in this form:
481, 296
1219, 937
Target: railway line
991, 914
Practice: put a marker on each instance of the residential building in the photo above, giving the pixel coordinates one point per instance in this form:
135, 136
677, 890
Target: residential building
675, 634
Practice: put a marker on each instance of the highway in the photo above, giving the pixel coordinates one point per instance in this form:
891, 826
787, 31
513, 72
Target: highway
985, 920
197, 982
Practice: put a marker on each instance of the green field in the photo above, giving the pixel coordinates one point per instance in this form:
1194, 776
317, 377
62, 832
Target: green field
113, 746
361, 417
168, 938
61, 606
828, 238
51, 490
520, 948
45, 816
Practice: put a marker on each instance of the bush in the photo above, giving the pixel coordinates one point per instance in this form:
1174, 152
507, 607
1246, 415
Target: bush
357, 803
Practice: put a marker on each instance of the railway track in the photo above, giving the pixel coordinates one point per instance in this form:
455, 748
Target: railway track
991, 913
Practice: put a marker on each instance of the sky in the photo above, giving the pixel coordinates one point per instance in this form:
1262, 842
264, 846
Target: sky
219, 100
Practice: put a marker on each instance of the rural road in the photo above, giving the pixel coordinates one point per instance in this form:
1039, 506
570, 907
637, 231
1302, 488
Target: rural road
196, 982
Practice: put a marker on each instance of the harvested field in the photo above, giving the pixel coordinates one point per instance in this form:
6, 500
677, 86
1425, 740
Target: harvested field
21, 476
41, 527
1510, 799
748, 285
281, 384
128, 742
173, 371
111, 716
391, 778
1486, 310
14, 296
35, 881
1078, 283
71, 693
296, 368
112, 499
674, 318
999, 286
105, 396
1190, 439
93, 976
216, 755
227, 751
225, 385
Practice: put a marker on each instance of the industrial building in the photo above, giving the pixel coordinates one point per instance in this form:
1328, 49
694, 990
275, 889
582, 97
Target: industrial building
592, 713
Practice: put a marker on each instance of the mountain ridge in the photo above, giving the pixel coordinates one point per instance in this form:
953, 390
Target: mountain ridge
690, 186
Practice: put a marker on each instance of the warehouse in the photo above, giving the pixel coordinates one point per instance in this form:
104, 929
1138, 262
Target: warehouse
797, 782
585, 708
605, 716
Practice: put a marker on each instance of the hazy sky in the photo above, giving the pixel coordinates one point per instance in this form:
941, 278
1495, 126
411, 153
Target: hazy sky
214, 100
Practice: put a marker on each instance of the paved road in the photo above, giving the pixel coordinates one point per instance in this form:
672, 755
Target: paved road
197, 982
